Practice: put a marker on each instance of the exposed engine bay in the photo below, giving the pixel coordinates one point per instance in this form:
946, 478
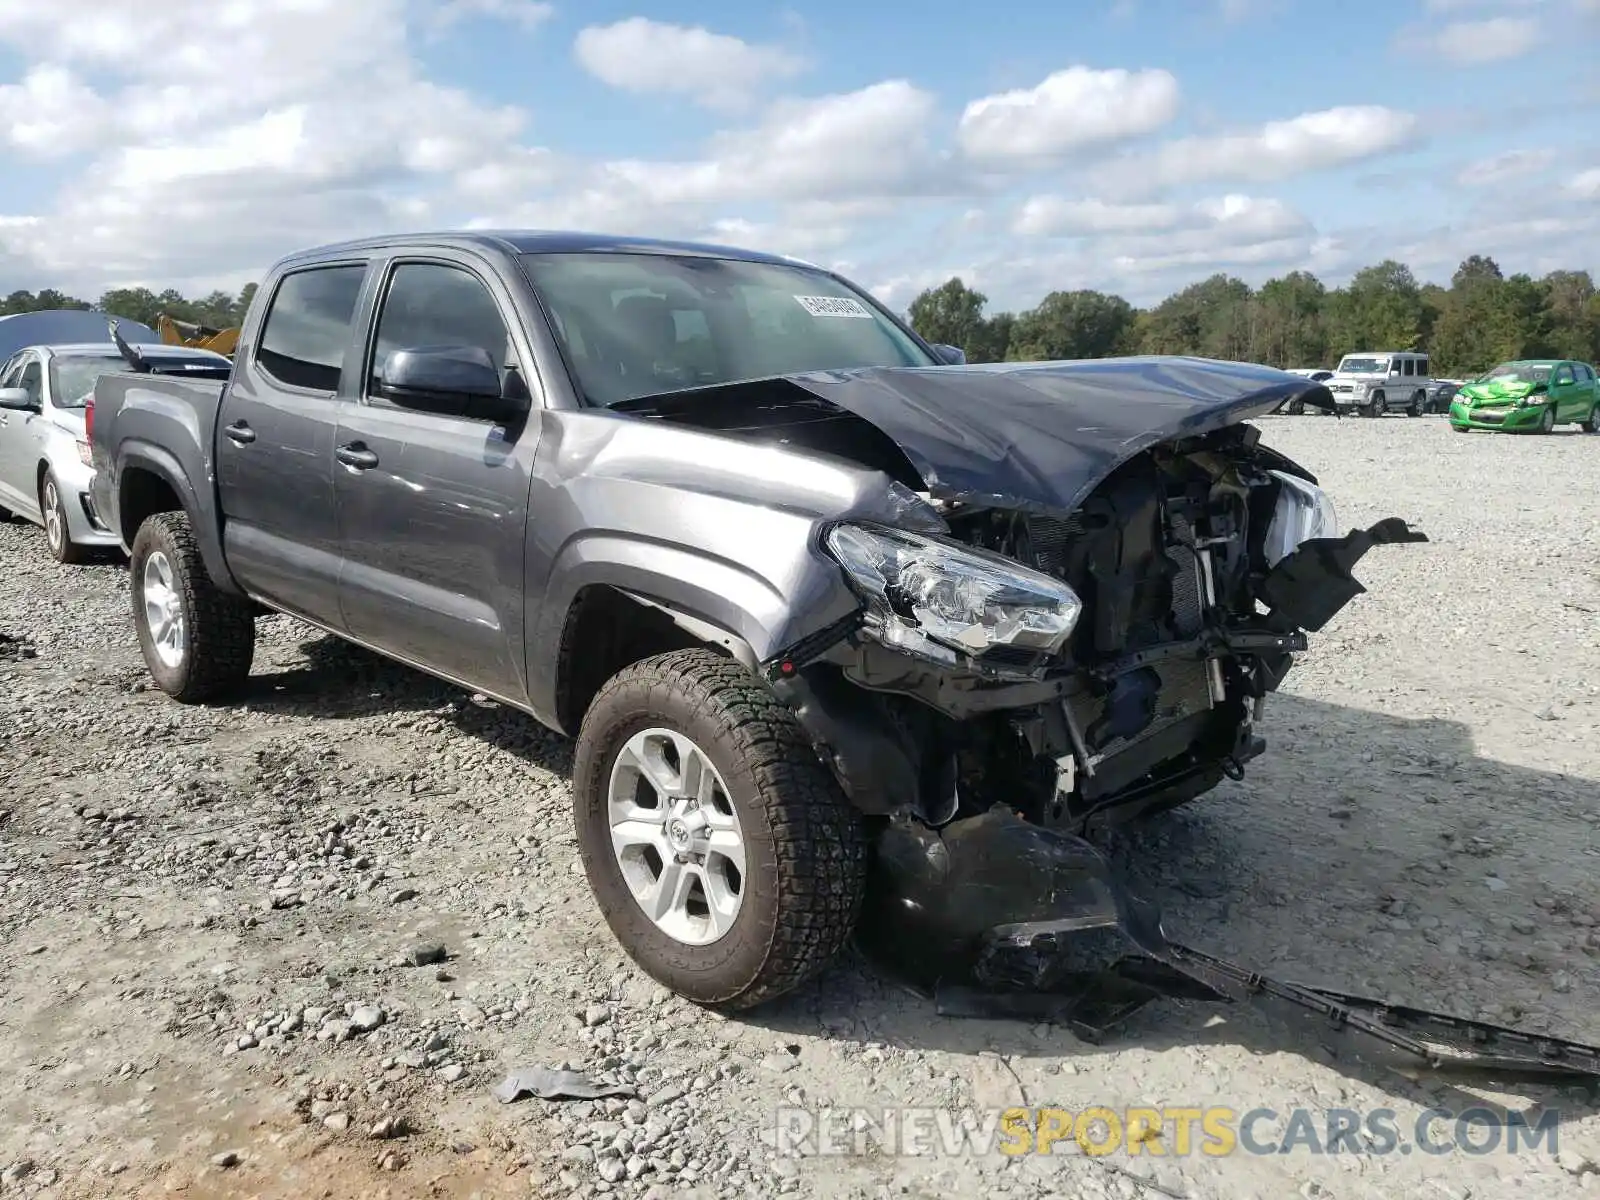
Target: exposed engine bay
1145, 697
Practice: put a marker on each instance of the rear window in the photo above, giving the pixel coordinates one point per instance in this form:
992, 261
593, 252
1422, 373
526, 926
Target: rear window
72, 376
307, 330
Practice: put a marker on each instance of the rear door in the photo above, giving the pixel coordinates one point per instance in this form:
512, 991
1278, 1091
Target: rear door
433, 508
275, 435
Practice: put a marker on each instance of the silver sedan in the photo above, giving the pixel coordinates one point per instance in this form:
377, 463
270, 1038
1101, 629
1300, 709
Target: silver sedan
44, 456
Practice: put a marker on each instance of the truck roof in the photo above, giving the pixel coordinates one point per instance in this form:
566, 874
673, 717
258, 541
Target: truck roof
155, 350
546, 241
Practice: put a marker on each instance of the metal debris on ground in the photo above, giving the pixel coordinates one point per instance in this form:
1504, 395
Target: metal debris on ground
543, 1083
997, 917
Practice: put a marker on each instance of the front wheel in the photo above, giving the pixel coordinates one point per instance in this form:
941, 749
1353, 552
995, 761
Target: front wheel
1547, 419
57, 533
1375, 407
726, 859
198, 641
1296, 408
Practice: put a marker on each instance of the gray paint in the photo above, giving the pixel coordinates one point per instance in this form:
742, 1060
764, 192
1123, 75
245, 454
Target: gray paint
462, 547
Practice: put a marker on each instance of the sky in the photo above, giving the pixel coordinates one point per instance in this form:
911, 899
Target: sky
1133, 146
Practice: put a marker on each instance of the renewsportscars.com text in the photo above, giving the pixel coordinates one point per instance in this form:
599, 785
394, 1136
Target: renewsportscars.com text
1169, 1131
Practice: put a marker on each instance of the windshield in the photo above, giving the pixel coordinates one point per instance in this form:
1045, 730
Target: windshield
642, 324
72, 376
1364, 366
1524, 372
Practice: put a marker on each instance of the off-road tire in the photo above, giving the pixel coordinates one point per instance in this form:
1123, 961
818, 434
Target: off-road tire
67, 551
221, 628
1418, 405
1295, 408
1376, 406
806, 853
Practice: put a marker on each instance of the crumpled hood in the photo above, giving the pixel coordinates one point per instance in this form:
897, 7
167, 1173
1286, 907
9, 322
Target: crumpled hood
1496, 391
1044, 435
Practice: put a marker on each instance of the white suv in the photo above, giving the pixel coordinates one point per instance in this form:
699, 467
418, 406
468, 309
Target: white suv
1375, 382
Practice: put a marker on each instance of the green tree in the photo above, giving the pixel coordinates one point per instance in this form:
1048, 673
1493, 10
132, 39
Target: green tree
1380, 309
1290, 324
1570, 315
951, 313
1082, 324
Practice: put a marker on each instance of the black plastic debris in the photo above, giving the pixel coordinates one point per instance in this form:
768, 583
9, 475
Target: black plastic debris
16, 648
544, 1083
996, 917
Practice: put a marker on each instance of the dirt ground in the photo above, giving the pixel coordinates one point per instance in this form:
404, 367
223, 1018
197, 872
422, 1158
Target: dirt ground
212, 918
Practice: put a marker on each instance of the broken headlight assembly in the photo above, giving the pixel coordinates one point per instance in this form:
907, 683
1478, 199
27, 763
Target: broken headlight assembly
940, 601
1302, 512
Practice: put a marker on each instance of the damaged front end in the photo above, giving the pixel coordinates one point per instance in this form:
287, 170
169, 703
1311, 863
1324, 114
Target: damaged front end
1083, 668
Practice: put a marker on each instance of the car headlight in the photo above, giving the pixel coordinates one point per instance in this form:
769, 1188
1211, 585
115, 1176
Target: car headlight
1302, 512
938, 601
1358, 389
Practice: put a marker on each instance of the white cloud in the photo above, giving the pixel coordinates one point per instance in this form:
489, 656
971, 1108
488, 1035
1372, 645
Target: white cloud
1585, 185
220, 151
529, 14
641, 55
1280, 149
52, 113
1071, 109
1499, 169
866, 143
1469, 43
1055, 216
1232, 219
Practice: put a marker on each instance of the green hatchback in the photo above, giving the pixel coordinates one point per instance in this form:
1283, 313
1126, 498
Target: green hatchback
1529, 396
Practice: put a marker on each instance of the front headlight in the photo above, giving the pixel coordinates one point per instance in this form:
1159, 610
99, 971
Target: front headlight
1302, 512
939, 601
1358, 389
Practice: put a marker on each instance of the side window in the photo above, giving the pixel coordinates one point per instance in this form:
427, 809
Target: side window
307, 329
32, 378
431, 304
1423, 368
1563, 375
1585, 375
11, 373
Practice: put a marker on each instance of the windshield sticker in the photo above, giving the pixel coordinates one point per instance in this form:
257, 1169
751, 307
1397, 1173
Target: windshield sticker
833, 306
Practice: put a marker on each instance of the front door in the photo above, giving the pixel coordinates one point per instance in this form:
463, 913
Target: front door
275, 444
433, 508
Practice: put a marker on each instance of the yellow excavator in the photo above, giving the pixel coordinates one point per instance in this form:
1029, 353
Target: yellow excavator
186, 333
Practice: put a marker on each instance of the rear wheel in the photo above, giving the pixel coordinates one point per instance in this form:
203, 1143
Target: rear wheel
198, 641
57, 534
725, 858
1593, 423
1418, 403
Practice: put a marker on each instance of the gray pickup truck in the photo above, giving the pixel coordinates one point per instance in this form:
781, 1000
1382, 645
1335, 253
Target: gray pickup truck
789, 573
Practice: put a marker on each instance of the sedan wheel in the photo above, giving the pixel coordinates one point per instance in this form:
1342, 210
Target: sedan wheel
57, 536
1547, 419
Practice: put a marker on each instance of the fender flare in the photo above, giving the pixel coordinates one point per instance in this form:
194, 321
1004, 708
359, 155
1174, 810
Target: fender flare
162, 463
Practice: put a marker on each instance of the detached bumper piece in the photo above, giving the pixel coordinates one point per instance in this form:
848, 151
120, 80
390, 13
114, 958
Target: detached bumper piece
1308, 587
996, 917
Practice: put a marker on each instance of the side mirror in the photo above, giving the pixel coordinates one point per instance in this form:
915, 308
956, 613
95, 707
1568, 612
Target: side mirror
18, 400
452, 380
953, 356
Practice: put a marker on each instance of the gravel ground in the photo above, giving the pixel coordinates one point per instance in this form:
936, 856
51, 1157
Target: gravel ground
220, 928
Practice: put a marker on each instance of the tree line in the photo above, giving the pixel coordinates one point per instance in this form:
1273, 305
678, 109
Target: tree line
218, 310
1483, 318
